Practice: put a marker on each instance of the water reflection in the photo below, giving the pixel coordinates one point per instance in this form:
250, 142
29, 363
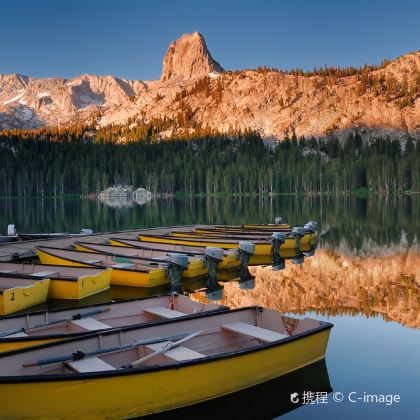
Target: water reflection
260, 402
332, 283
371, 225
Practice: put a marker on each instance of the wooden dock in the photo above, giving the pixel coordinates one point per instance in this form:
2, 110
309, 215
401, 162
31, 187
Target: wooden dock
21, 250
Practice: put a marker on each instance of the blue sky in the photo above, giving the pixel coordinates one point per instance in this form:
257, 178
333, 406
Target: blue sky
128, 38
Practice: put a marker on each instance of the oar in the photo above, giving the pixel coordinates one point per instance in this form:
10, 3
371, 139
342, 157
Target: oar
167, 347
57, 321
78, 355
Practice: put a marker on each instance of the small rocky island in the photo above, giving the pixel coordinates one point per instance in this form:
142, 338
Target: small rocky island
120, 196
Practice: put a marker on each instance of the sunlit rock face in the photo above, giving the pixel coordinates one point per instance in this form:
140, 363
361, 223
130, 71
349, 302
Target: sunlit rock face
188, 57
193, 83
334, 284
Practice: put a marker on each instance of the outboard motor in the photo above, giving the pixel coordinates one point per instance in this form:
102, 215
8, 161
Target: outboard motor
86, 231
277, 240
298, 233
177, 264
212, 257
278, 220
11, 230
310, 253
310, 227
215, 293
298, 260
248, 284
245, 251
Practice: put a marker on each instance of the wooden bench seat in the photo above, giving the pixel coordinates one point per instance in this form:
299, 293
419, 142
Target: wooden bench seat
19, 334
253, 331
123, 265
90, 324
92, 261
44, 273
178, 353
164, 312
90, 364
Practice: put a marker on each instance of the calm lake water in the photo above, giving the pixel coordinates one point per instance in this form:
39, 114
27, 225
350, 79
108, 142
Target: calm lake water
364, 278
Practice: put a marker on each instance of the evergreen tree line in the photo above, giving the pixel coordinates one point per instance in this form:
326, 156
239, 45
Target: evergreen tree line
59, 164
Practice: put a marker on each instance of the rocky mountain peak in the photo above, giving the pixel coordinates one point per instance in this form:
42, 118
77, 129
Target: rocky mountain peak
188, 57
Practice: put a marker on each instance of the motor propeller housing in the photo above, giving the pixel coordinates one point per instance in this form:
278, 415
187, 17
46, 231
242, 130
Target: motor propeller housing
214, 253
310, 227
277, 240
180, 260
298, 231
177, 264
212, 257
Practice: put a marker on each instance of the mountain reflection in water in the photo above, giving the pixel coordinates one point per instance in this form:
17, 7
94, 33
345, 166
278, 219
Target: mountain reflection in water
336, 284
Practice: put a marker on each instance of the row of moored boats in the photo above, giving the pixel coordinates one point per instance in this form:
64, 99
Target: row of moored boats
149, 260
139, 357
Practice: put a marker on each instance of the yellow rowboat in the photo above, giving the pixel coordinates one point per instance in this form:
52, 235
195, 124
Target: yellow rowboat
230, 259
196, 266
18, 293
309, 228
239, 228
266, 226
123, 273
21, 331
262, 248
244, 236
137, 371
268, 400
65, 282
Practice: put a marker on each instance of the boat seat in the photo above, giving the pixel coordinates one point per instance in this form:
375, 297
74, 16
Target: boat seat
178, 353
19, 334
92, 261
164, 312
44, 273
123, 265
90, 324
90, 364
253, 331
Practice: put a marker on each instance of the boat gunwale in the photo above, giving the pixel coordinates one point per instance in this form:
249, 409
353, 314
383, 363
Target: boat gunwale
31, 277
17, 286
141, 246
91, 305
155, 368
83, 334
246, 237
51, 265
88, 265
208, 240
120, 240
86, 245
65, 336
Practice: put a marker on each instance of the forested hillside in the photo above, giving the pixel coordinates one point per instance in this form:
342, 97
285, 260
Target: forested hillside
71, 163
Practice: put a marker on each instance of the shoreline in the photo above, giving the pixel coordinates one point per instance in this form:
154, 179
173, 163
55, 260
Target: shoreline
355, 193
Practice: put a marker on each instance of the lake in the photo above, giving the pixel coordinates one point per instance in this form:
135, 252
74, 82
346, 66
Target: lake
364, 278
